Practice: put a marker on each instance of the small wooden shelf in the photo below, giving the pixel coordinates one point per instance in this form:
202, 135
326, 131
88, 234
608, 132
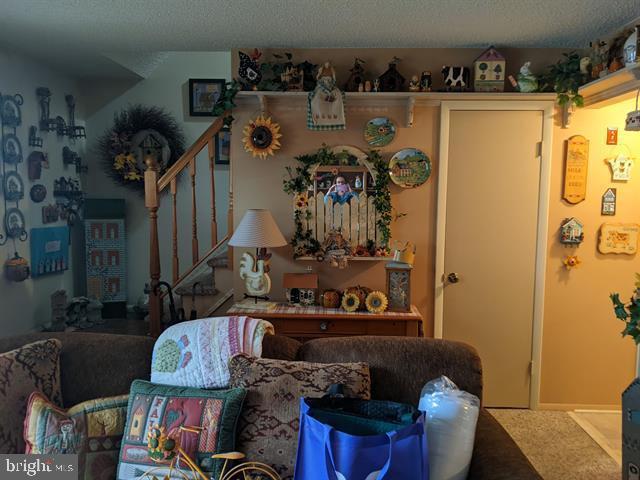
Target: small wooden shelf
614, 87
359, 101
350, 259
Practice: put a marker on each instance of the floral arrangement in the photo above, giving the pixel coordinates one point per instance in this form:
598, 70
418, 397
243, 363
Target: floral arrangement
629, 313
376, 302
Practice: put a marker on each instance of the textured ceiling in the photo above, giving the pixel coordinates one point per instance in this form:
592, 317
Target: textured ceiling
70, 32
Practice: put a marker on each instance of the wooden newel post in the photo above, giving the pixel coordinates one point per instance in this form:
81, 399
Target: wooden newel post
151, 201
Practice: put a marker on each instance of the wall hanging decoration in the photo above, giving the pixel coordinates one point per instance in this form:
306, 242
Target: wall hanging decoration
72, 130
391, 80
69, 157
13, 187
35, 161
325, 105
571, 261
49, 250
399, 286
34, 139
204, 94
612, 135
621, 166
38, 193
609, 202
379, 132
360, 216
376, 302
409, 168
356, 76
261, 137
249, 70
105, 245
489, 71
223, 146
50, 214
69, 198
47, 124
619, 238
293, 79
456, 78
11, 149
571, 231
16, 269
136, 130
575, 169
14, 224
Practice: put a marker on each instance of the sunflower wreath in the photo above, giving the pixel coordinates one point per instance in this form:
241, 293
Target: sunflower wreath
376, 302
350, 302
135, 129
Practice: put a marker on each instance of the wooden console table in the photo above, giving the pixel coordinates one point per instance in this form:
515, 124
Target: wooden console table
305, 323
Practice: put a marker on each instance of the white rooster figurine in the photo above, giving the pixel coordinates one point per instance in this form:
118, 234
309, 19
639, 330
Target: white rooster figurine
256, 279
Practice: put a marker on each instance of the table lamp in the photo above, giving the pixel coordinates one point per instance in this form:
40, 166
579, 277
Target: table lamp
259, 230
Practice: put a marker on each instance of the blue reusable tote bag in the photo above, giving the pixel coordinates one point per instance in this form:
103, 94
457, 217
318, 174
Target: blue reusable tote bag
326, 453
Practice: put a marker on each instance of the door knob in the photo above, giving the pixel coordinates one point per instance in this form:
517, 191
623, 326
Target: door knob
453, 277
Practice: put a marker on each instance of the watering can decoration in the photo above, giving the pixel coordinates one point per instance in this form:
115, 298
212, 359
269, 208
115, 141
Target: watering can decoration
404, 252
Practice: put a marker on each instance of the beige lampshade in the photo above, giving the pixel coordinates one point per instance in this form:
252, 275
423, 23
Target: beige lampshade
257, 229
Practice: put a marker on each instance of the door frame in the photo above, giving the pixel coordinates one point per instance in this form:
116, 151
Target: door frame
544, 154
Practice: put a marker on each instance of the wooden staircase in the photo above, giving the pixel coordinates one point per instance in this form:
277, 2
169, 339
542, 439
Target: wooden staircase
213, 269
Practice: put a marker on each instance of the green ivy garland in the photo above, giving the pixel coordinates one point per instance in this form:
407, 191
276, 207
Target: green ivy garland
300, 180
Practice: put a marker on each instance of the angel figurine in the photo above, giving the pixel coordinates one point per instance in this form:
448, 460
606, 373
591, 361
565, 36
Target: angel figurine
326, 105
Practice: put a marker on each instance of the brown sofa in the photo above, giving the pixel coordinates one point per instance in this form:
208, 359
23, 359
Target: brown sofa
97, 365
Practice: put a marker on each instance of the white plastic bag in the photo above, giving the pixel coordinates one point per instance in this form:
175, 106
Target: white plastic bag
451, 415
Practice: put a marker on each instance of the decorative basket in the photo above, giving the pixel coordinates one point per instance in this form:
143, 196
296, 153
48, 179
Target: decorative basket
17, 269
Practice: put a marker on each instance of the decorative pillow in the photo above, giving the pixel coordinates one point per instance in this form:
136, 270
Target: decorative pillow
92, 429
155, 414
268, 427
33, 367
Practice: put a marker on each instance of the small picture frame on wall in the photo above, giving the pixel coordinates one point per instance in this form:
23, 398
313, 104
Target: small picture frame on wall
223, 146
204, 93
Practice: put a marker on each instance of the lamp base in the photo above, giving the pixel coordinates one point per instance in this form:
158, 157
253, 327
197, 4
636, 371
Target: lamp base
255, 303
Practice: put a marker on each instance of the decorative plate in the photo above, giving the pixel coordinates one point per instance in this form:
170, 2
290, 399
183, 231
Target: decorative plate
409, 168
379, 132
38, 193
14, 223
11, 149
13, 187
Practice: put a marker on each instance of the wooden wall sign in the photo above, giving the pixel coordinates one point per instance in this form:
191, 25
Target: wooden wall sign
575, 173
612, 135
619, 238
609, 202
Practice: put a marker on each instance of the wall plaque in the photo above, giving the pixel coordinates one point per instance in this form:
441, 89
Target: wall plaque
576, 166
619, 238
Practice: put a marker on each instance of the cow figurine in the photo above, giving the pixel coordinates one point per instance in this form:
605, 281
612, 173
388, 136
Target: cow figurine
456, 78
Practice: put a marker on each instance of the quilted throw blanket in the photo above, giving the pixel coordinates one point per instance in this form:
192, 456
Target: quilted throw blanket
197, 353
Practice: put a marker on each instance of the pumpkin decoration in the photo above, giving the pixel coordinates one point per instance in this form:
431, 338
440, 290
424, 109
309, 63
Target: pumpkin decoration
361, 292
350, 302
331, 299
17, 269
376, 302
261, 137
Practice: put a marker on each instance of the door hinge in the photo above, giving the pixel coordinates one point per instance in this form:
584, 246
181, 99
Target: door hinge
531, 367
539, 149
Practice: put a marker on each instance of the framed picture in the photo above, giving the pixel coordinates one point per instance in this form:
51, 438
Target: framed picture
203, 95
223, 146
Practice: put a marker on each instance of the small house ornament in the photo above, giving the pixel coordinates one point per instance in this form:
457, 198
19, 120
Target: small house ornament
356, 76
399, 286
621, 167
391, 80
489, 71
609, 202
571, 231
300, 288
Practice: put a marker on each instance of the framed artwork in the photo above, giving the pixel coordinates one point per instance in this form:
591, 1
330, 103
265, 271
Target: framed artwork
203, 95
223, 146
106, 259
49, 250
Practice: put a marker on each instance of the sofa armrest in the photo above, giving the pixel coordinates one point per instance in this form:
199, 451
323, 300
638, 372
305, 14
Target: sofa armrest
496, 456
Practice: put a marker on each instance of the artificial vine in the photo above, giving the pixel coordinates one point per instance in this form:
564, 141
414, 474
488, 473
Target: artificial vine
299, 180
226, 101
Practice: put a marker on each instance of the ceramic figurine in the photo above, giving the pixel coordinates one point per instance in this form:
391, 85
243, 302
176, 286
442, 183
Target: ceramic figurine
367, 86
376, 85
425, 81
414, 84
527, 81
254, 273
630, 48
585, 62
456, 78
361, 87
358, 182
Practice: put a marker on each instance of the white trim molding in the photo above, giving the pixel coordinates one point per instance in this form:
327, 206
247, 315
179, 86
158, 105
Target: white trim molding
547, 108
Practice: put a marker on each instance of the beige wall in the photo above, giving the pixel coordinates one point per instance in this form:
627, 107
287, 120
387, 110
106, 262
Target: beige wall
584, 360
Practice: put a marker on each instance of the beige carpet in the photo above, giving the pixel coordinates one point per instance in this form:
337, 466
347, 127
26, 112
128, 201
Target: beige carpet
557, 446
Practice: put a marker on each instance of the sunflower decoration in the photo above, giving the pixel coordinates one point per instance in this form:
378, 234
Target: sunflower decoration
350, 302
302, 201
261, 137
571, 261
161, 448
376, 302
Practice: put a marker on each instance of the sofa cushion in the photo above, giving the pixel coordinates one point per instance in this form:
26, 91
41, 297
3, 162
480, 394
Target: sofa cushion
92, 429
153, 408
268, 427
33, 367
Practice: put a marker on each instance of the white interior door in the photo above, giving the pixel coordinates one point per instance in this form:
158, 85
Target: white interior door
490, 244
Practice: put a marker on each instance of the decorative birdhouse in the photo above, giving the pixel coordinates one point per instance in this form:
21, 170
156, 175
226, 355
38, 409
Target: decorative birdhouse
300, 288
391, 80
399, 286
356, 77
571, 231
489, 71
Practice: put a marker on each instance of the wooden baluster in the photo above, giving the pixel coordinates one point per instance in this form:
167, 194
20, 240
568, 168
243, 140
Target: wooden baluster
194, 220
174, 230
212, 158
151, 202
230, 214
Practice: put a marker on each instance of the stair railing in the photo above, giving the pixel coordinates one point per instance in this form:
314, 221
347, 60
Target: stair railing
153, 187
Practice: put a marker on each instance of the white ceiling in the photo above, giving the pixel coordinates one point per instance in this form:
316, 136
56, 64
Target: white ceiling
73, 34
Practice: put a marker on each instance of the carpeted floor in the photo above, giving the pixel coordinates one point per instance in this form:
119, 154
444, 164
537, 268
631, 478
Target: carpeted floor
557, 446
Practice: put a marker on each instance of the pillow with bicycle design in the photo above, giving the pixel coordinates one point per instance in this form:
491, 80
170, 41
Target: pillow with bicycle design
177, 428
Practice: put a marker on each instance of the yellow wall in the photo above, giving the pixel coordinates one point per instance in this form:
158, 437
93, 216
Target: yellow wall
584, 360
